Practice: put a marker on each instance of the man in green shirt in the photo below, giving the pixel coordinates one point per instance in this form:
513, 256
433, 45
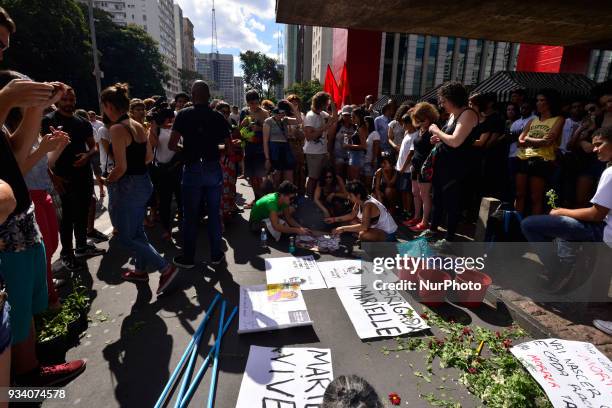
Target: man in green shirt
273, 211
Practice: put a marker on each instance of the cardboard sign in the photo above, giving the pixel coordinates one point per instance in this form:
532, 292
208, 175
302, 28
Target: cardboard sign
572, 373
285, 377
271, 307
379, 313
301, 270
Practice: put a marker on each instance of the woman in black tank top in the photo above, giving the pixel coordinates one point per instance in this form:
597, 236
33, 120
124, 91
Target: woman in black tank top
452, 155
130, 188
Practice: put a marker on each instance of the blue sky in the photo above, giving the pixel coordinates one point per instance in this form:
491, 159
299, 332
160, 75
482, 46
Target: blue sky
241, 25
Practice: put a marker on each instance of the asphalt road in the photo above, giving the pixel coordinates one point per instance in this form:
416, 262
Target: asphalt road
134, 339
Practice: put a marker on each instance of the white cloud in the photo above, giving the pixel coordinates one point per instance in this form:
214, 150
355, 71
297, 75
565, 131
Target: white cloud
277, 34
236, 24
256, 25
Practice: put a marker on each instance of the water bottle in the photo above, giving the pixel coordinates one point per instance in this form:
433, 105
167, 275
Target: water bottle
264, 238
292, 245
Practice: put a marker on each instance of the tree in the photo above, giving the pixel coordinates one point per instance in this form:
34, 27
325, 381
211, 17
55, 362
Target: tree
52, 44
260, 72
305, 90
129, 54
187, 78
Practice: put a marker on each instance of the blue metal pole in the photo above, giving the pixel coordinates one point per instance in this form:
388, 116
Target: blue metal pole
181, 363
213, 380
202, 371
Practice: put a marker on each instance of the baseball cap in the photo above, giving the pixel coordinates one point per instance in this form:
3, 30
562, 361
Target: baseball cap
347, 110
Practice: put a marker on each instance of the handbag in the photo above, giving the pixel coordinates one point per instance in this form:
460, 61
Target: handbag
427, 169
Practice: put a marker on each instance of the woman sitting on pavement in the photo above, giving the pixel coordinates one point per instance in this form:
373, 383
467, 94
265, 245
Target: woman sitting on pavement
385, 182
274, 212
330, 194
369, 217
592, 224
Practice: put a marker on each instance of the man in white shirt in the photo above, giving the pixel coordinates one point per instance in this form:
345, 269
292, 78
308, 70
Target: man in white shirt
95, 123
592, 224
234, 116
316, 125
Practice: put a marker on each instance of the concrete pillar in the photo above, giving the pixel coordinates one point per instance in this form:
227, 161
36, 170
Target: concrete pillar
381, 69
396, 40
488, 205
440, 61
409, 68
454, 74
425, 64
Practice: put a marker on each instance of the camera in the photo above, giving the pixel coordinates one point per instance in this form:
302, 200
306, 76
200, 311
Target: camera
160, 111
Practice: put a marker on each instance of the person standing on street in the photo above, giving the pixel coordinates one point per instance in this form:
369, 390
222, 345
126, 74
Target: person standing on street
73, 178
203, 131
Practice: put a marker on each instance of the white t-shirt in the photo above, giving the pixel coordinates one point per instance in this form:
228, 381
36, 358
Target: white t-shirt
316, 121
96, 125
103, 133
235, 117
405, 149
398, 131
162, 153
569, 127
603, 197
372, 137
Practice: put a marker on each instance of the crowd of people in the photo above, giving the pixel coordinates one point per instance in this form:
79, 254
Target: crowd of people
420, 165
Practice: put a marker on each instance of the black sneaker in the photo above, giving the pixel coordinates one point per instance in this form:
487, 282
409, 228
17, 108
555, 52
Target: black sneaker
183, 262
97, 236
70, 263
88, 251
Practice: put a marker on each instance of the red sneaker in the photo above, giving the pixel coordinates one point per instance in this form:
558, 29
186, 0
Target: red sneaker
411, 222
60, 373
166, 278
420, 227
134, 275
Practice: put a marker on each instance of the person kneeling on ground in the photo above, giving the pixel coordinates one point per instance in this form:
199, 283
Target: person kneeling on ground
369, 216
592, 224
274, 212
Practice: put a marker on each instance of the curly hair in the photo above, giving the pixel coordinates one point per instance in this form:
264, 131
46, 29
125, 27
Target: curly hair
455, 93
424, 111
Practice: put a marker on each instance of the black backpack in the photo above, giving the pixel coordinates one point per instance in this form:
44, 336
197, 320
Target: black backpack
504, 225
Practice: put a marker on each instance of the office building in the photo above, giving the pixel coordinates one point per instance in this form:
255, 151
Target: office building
238, 92
188, 45
178, 35
156, 17
218, 70
298, 53
322, 51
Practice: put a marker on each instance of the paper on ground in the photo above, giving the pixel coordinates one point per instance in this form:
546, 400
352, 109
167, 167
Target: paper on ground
285, 377
272, 307
572, 373
302, 270
377, 314
351, 272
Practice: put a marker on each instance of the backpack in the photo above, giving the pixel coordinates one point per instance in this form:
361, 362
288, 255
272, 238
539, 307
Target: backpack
504, 225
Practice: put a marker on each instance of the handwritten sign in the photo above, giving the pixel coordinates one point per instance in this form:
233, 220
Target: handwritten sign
285, 377
301, 270
572, 373
351, 272
379, 313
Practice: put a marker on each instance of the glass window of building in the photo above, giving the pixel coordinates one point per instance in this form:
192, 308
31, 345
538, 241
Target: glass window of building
477, 58
418, 65
388, 63
490, 59
402, 55
460, 74
432, 62
448, 59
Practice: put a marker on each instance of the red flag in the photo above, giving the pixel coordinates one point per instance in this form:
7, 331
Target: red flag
344, 87
331, 87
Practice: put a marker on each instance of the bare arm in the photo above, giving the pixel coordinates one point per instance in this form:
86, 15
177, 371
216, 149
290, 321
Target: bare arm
549, 139
595, 213
317, 200
390, 137
119, 141
365, 221
7, 201
173, 143
266, 141
465, 124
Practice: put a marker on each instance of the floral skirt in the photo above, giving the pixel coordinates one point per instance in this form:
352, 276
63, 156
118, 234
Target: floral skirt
228, 195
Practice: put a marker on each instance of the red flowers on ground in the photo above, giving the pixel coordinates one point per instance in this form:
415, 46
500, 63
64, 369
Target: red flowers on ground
467, 331
507, 343
424, 316
472, 370
395, 399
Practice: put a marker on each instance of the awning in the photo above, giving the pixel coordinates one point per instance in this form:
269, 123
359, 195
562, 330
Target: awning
400, 99
504, 82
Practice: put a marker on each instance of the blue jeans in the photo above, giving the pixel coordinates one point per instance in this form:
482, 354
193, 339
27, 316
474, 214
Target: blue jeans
202, 181
130, 196
545, 228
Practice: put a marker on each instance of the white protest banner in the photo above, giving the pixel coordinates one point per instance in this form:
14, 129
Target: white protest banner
572, 373
379, 313
351, 272
302, 270
271, 307
285, 377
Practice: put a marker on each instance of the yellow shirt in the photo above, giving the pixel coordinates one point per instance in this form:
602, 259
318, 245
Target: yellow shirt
537, 130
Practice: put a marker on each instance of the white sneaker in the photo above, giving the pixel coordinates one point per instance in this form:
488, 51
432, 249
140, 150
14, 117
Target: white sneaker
603, 325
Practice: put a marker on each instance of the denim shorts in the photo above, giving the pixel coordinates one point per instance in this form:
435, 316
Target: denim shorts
356, 158
5, 328
404, 182
281, 156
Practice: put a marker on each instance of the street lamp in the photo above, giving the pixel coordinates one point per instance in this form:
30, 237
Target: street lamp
94, 46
